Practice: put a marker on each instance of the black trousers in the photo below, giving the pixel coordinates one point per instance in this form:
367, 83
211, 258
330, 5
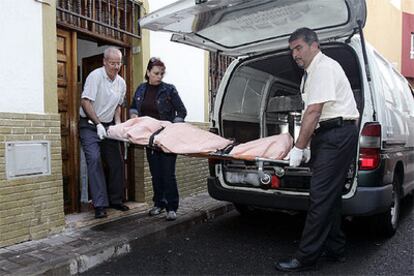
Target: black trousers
164, 183
332, 153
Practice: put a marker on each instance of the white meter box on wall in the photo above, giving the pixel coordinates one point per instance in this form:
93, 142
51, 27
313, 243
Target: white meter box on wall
27, 158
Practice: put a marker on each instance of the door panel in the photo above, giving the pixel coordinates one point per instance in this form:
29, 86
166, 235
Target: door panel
67, 107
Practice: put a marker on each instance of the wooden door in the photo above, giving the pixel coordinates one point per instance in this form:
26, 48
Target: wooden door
68, 107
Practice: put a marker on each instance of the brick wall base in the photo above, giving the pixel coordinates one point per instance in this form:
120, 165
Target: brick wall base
30, 207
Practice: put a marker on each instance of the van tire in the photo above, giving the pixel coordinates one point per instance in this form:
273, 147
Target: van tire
386, 223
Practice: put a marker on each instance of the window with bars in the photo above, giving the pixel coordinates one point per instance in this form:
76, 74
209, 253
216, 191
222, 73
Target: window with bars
218, 65
116, 19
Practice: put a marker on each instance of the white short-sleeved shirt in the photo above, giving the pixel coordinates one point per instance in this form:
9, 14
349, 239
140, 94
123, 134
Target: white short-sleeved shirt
104, 93
327, 83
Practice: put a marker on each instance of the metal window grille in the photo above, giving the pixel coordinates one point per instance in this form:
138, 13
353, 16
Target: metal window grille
116, 19
217, 67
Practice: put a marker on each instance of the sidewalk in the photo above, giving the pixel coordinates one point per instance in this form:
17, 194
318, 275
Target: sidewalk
88, 242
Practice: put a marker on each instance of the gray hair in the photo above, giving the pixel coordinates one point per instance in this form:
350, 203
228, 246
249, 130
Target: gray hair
308, 35
111, 50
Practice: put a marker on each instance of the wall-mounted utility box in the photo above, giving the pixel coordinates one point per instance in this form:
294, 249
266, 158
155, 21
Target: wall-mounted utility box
27, 158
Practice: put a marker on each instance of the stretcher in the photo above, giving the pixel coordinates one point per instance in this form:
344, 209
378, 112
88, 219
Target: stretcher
185, 139
219, 154
279, 166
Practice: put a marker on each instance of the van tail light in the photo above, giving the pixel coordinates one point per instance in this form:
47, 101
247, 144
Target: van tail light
370, 146
275, 184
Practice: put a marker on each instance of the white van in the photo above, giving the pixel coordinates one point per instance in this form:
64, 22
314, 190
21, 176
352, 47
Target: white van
259, 96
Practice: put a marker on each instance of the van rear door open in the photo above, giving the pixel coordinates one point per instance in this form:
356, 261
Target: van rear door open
256, 26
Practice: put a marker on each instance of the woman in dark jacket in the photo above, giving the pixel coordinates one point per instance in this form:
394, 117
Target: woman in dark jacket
160, 101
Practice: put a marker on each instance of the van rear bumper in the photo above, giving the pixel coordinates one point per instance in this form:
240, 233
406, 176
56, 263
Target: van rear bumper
366, 200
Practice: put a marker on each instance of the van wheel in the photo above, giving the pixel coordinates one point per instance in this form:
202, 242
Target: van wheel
387, 222
245, 210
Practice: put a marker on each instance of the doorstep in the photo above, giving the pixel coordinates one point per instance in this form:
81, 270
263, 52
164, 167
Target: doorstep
87, 218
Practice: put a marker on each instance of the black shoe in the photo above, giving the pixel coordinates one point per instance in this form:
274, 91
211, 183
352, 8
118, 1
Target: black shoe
292, 264
333, 258
120, 207
100, 212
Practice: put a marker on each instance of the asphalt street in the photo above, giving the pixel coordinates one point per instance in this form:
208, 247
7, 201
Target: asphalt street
236, 245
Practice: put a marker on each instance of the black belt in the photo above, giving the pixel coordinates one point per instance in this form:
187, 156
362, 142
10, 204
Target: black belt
333, 123
89, 121
349, 122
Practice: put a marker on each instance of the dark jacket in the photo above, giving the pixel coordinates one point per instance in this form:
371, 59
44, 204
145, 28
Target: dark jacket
169, 103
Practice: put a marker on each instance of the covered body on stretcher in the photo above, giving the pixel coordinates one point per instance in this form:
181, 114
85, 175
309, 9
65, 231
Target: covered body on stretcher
186, 139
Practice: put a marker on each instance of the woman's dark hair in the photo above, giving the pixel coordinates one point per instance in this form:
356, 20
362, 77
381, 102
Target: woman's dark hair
153, 62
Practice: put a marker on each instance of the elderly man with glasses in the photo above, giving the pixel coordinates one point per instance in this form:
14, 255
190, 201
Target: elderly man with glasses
101, 101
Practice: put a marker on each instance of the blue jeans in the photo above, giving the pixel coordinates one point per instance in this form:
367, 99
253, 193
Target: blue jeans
164, 183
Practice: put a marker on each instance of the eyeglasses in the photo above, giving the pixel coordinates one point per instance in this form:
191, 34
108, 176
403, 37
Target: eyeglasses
114, 63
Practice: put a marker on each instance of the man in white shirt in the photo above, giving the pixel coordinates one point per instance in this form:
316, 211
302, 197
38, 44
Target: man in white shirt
101, 102
329, 126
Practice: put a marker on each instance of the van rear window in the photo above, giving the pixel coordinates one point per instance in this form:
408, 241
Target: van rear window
244, 94
253, 21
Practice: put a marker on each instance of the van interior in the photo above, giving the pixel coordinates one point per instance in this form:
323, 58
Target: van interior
271, 104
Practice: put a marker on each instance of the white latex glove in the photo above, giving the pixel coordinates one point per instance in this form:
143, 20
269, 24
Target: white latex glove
100, 130
296, 156
306, 155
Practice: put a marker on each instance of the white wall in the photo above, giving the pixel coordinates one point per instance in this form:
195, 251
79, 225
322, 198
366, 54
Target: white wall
21, 57
396, 3
185, 67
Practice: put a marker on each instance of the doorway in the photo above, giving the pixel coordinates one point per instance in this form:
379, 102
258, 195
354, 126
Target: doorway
77, 56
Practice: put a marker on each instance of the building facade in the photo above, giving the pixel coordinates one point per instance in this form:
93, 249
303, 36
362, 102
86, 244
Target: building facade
407, 51
390, 29
52, 47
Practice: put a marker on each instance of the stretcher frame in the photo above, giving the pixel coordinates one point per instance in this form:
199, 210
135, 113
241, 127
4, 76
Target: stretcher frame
264, 178
213, 155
